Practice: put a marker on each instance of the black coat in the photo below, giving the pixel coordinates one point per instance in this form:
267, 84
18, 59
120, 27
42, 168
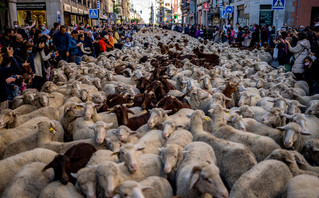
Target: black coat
4, 74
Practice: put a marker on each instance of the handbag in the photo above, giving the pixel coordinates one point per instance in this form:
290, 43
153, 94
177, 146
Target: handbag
292, 59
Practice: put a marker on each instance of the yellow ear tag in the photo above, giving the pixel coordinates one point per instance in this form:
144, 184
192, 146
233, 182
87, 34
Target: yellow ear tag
79, 107
207, 118
110, 100
51, 130
227, 111
43, 168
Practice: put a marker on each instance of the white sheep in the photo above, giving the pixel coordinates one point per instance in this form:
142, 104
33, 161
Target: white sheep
9, 135
261, 146
198, 173
10, 166
47, 131
266, 179
57, 190
302, 186
176, 135
151, 187
29, 181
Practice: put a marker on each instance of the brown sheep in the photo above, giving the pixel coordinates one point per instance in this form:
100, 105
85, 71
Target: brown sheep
73, 160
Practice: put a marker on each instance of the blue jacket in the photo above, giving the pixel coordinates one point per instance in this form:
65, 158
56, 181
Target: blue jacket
73, 48
62, 41
4, 74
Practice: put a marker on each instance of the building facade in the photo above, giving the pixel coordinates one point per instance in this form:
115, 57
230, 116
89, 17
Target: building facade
67, 12
249, 12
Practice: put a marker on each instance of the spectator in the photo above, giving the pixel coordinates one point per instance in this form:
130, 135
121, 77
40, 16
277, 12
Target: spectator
73, 47
255, 36
62, 41
128, 44
89, 43
55, 29
44, 30
102, 43
109, 41
40, 63
300, 51
81, 49
9, 66
7, 39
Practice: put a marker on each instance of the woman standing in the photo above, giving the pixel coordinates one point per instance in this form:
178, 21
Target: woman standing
300, 51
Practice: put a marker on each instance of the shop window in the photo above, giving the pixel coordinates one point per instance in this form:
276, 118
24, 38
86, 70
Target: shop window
79, 1
28, 16
84, 2
266, 15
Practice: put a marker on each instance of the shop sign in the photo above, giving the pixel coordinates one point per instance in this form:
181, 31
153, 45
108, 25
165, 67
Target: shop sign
67, 8
80, 11
31, 6
74, 10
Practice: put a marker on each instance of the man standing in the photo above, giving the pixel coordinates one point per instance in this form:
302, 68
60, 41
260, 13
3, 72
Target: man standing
73, 47
44, 30
62, 40
56, 27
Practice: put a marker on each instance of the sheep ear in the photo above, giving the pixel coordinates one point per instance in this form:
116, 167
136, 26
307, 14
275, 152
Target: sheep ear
211, 111
298, 160
133, 132
281, 128
167, 111
117, 196
160, 149
304, 132
116, 152
47, 167
144, 188
131, 112
140, 148
195, 177
74, 175
91, 127
189, 116
108, 125
315, 149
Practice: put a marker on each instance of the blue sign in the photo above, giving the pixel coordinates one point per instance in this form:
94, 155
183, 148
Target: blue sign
229, 9
98, 4
221, 5
278, 4
93, 14
224, 14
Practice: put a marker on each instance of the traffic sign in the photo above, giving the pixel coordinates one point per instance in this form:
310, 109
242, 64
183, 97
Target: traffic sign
278, 4
205, 5
58, 14
229, 9
224, 14
98, 4
93, 14
221, 5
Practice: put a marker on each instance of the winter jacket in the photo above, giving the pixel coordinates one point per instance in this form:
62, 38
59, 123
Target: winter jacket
4, 74
300, 51
73, 47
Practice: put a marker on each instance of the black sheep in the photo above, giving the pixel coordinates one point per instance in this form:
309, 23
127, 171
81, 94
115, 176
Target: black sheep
73, 160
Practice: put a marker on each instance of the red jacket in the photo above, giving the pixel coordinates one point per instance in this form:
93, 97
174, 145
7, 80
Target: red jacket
102, 45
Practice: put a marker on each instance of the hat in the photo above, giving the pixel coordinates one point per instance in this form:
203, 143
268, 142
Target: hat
110, 30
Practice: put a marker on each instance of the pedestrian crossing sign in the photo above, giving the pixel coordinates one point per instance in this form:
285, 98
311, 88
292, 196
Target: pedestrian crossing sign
278, 4
93, 14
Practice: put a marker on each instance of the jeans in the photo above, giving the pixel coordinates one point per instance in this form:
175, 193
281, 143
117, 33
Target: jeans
62, 56
78, 60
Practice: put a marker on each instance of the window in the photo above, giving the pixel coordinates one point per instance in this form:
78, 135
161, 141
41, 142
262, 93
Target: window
84, 2
79, 1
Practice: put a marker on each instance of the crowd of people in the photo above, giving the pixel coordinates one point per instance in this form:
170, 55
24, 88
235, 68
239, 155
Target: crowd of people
295, 48
28, 53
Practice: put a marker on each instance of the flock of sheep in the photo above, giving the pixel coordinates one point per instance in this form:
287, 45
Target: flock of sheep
172, 117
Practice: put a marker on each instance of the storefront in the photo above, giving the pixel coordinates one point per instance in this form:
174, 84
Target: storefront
266, 15
27, 13
241, 15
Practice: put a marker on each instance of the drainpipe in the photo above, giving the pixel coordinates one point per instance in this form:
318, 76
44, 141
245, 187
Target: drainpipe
297, 12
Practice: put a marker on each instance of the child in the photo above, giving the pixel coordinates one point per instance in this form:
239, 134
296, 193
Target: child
81, 50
